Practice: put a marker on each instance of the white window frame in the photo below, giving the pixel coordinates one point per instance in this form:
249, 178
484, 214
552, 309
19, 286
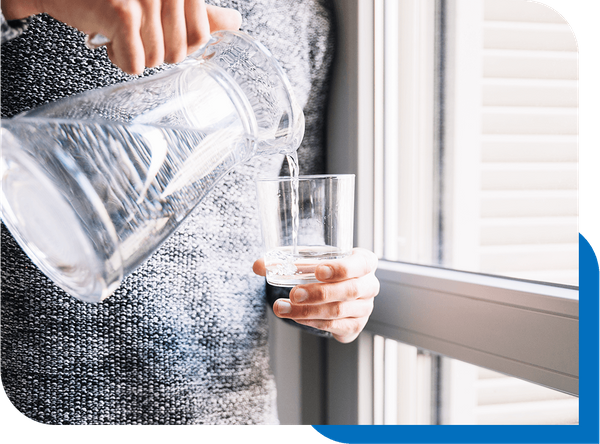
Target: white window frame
524, 329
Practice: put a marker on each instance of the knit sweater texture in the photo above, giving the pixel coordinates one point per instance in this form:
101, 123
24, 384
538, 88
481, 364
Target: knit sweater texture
184, 340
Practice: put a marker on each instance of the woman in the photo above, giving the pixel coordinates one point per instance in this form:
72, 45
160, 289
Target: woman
184, 339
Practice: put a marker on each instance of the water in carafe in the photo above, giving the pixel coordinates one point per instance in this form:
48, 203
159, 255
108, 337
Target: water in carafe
94, 184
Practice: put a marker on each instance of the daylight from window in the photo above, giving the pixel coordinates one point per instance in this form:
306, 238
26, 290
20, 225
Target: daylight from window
476, 140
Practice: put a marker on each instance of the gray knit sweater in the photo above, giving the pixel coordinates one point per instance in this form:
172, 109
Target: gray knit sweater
184, 339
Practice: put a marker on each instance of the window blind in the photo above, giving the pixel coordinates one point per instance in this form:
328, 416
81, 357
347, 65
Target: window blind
528, 207
528, 220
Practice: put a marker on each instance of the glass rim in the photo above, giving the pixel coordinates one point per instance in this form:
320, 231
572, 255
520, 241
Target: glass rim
305, 177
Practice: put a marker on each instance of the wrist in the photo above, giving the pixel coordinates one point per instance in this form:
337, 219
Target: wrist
13, 23
20, 9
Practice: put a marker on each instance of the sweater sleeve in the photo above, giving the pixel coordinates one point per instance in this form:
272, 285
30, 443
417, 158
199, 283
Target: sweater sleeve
12, 28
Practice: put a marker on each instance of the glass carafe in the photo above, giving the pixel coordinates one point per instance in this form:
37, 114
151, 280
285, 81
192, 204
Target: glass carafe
94, 183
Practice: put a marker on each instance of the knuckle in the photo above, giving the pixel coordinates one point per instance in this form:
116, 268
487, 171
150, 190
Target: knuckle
128, 66
194, 37
354, 290
319, 294
374, 260
123, 9
369, 260
328, 325
369, 308
376, 285
175, 55
305, 311
355, 327
125, 19
324, 293
153, 59
344, 271
366, 266
338, 310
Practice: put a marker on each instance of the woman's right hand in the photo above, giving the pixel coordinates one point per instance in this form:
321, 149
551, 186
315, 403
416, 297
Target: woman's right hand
142, 33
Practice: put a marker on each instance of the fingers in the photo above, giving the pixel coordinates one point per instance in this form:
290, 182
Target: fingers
351, 298
345, 320
331, 311
359, 263
146, 33
126, 49
152, 35
344, 330
345, 269
142, 33
341, 306
366, 287
196, 23
174, 26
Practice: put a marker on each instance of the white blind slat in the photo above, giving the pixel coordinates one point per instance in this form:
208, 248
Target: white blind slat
547, 203
528, 230
529, 92
529, 36
529, 64
520, 11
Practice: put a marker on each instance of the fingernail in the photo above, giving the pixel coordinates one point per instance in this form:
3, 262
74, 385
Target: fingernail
300, 295
284, 307
325, 272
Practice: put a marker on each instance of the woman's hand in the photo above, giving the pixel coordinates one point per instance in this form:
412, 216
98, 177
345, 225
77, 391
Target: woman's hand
341, 303
142, 33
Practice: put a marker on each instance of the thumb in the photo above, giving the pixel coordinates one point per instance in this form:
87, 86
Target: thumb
259, 267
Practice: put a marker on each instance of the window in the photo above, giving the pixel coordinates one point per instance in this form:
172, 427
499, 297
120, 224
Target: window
476, 124
462, 115
414, 386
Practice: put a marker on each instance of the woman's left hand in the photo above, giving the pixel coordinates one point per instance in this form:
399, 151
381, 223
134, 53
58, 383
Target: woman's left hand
341, 303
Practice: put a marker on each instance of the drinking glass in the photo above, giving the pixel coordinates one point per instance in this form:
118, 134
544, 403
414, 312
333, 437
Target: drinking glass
305, 221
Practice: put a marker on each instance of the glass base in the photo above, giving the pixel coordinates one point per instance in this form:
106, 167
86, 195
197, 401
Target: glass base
291, 281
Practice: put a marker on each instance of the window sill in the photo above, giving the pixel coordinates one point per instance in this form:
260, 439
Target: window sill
523, 329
